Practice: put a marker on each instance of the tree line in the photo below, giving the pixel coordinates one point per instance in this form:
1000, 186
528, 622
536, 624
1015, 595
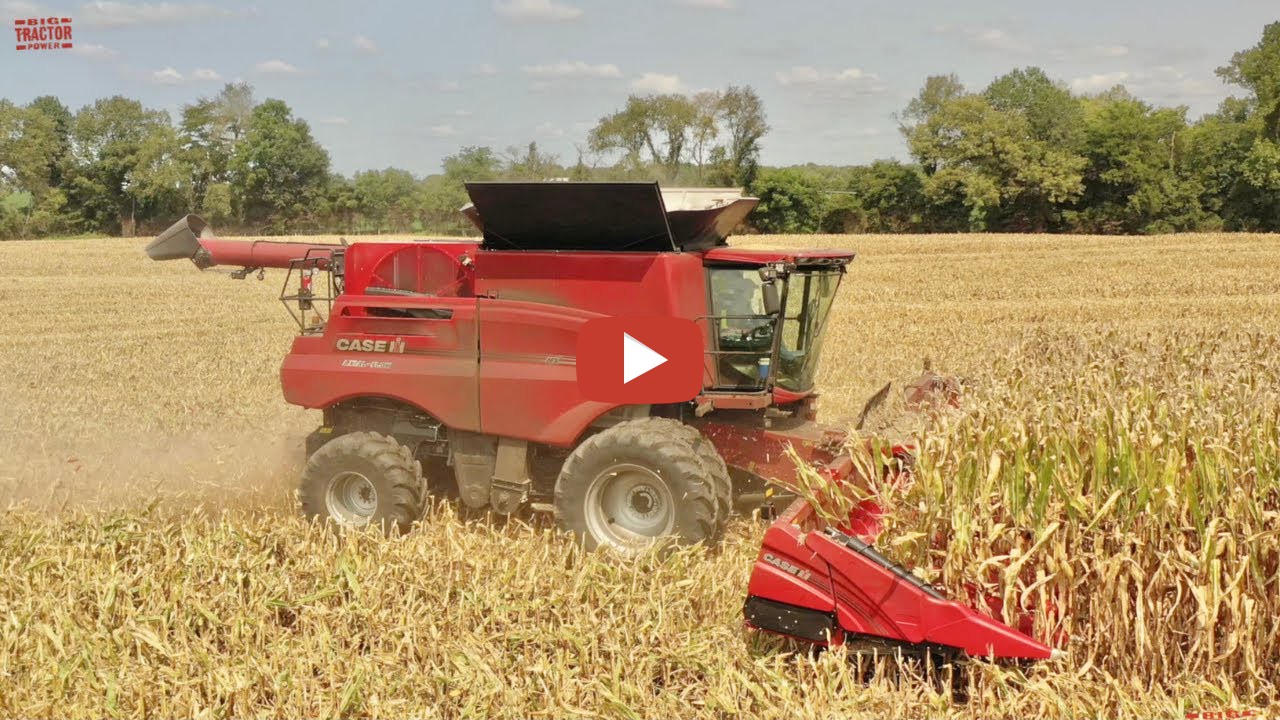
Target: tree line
1023, 154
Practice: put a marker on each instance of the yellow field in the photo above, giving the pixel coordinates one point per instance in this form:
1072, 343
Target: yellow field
1118, 445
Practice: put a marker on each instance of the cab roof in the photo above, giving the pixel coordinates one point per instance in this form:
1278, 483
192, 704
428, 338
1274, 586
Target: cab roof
745, 256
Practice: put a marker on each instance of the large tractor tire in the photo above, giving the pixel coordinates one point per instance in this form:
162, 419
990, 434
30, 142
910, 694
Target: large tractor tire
716, 469
363, 479
635, 485
712, 464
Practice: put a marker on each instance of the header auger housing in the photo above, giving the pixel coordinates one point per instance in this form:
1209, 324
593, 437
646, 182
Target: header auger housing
449, 366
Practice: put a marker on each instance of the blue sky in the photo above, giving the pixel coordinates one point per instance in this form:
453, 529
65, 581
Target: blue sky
406, 83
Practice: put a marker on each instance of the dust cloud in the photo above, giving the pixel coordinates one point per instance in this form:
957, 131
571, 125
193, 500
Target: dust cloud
199, 473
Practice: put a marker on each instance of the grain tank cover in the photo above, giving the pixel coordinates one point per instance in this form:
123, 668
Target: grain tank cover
614, 217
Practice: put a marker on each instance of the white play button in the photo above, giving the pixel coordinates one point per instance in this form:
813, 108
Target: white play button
637, 359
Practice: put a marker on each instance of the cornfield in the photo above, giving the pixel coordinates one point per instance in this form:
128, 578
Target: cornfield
1114, 465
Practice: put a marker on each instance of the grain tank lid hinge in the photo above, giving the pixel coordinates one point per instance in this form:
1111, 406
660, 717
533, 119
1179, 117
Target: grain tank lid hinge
600, 216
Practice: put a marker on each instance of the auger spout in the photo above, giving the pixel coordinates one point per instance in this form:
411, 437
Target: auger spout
192, 239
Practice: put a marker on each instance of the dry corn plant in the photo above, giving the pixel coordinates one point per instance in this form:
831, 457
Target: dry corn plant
1127, 492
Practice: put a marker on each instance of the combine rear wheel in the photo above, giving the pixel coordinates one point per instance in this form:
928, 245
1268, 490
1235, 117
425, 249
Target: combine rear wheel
638, 484
363, 479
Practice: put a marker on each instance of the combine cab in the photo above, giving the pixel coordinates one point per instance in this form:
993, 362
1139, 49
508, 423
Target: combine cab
450, 367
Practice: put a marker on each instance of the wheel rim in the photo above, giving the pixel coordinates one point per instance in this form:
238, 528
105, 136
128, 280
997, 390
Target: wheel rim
629, 507
351, 499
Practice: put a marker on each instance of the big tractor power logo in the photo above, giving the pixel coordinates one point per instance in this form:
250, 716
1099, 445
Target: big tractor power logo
49, 33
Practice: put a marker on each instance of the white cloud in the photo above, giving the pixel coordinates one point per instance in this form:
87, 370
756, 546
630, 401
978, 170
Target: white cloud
573, 69
334, 120
323, 43
485, 69
206, 74
167, 76
276, 67
1110, 51
658, 83
449, 86
1098, 82
1163, 84
817, 84
708, 4
549, 130
110, 14
807, 75
1089, 53
442, 131
997, 39
1169, 84
537, 10
364, 44
462, 113
986, 38
93, 52
20, 8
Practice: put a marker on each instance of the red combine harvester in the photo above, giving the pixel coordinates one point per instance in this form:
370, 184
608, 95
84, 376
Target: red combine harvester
449, 366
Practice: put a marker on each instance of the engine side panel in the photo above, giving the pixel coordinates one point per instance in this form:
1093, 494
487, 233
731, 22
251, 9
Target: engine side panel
531, 307
429, 362
528, 372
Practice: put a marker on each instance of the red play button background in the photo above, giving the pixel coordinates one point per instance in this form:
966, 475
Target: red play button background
600, 360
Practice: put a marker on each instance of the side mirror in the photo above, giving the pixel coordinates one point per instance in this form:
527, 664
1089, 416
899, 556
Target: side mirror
772, 302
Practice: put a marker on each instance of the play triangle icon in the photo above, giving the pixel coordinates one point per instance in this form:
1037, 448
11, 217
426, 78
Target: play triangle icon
637, 358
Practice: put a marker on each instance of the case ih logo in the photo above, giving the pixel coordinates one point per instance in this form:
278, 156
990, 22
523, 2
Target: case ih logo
785, 566
43, 33
369, 345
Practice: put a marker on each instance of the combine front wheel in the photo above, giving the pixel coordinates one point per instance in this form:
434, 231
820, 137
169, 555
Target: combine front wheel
363, 479
713, 466
635, 485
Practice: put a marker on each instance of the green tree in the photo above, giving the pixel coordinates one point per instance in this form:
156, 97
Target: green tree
47, 141
279, 172
472, 163
1136, 179
704, 129
1258, 70
1215, 152
742, 114
439, 197
989, 162
340, 205
1053, 114
791, 201
660, 124
125, 165
531, 164
385, 198
937, 91
218, 204
211, 129
53, 109
890, 196
28, 148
